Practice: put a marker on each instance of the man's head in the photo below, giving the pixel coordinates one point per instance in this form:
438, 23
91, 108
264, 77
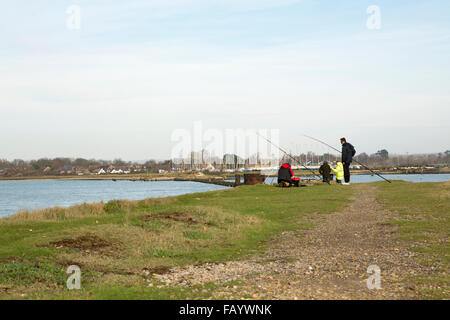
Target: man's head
343, 140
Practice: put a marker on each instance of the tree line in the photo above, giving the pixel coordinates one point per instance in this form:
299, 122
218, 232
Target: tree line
380, 159
52, 166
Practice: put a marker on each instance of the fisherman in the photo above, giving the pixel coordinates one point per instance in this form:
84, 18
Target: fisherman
339, 171
325, 171
285, 175
348, 152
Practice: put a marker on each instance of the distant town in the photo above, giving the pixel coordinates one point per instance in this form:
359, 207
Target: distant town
198, 162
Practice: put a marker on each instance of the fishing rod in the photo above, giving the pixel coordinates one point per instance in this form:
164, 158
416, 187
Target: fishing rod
291, 157
353, 159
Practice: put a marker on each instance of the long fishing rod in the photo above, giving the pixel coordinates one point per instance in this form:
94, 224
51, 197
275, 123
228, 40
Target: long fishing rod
353, 159
291, 157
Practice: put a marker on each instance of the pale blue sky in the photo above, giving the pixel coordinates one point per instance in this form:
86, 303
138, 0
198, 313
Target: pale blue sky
137, 70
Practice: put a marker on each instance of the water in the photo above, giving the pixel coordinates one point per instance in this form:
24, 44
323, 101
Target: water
19, 195
405, 177
363, 178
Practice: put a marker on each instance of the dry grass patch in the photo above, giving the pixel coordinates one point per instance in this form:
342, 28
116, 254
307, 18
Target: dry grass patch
96, 209
175, 234
156, 270
175, 216
56, 213
444, 194
85, 242
198, 228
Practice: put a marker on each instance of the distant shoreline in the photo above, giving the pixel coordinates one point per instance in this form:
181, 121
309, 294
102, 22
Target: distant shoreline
200, 177
84, 179
217, 180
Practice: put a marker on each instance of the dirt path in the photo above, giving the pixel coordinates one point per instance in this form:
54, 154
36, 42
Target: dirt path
329, 261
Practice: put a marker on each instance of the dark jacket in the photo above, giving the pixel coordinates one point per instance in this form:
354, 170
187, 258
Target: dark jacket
348, 151
325, 170
285, 173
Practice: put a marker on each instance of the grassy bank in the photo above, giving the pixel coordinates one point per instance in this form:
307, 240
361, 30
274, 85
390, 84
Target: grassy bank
421, 211
119, 245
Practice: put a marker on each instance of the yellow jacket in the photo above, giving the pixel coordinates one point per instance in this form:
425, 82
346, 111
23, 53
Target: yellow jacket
339, 171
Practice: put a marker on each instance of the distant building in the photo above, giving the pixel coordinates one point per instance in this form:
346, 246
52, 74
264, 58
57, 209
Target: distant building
47, 170
210, 168
66, 170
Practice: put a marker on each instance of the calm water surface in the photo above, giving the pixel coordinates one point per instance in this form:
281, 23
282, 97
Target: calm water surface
17, 195
363, 178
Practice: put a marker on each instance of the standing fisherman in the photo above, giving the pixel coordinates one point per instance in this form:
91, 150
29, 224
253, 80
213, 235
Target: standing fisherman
348, 151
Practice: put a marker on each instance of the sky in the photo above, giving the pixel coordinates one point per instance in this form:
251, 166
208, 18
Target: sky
122, 80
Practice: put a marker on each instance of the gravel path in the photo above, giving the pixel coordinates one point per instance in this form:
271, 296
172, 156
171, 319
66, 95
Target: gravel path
329, 261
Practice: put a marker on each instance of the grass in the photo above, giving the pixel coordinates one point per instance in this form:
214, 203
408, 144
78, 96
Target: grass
114, 242
421, 211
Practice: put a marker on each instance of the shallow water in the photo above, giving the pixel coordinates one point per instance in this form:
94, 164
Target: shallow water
19, 195
405, 177
363, 178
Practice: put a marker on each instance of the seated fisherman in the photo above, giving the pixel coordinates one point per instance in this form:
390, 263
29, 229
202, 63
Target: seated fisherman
325, 171
339, 172
285, 174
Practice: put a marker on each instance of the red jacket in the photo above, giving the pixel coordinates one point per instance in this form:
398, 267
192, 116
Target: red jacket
285, 165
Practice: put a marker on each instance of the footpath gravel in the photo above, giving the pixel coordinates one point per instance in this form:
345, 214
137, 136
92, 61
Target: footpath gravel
329, 261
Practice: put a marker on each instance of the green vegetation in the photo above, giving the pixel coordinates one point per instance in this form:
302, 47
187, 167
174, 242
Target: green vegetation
422, 216
119, 245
